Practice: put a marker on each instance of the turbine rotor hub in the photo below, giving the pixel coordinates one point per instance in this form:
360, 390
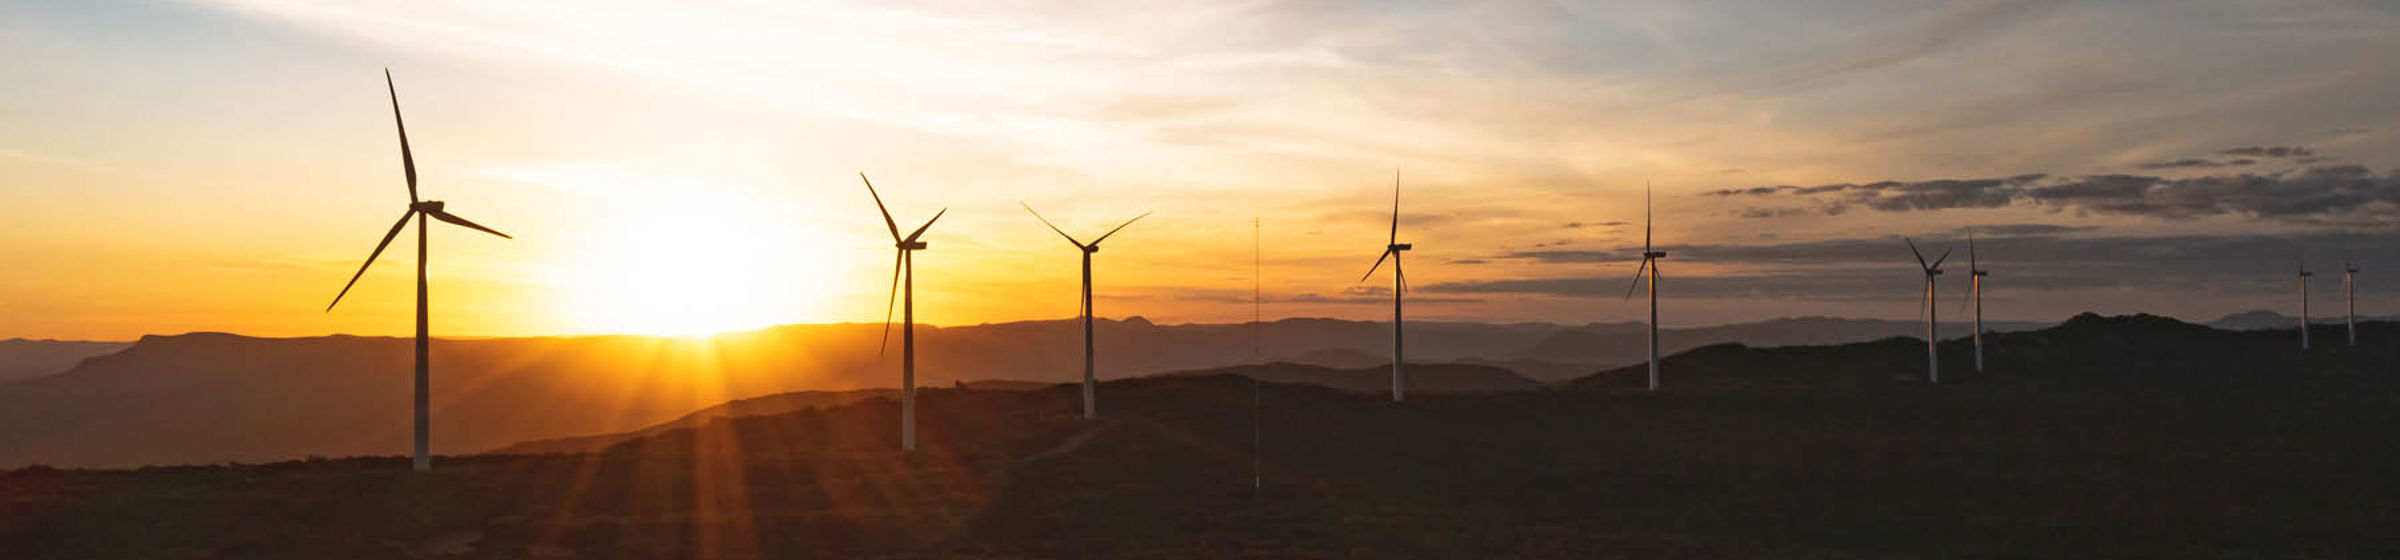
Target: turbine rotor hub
1094, 248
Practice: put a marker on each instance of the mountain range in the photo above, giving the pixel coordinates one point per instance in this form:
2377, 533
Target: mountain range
214, 397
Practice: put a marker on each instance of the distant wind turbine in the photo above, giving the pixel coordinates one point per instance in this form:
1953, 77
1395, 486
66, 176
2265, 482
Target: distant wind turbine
2350, 300
1091, 408
1975, 274
2304, 276
1933, 353
904, 266
1391, 250
1649, 263
419, 210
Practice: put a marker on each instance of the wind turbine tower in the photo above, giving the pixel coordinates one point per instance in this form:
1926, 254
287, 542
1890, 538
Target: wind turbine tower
1933, 352
904, 288
1975, 274
1391, 250
1650, 259
418, 210
2304, 276
1091, 406
2350, 300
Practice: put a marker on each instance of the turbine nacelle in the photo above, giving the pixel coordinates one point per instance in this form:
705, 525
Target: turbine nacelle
428, 206
910, 245
1654, 255
1092, 248
1399, 247
1982, 273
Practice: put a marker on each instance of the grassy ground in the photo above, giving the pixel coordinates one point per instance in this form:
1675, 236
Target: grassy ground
2294, 468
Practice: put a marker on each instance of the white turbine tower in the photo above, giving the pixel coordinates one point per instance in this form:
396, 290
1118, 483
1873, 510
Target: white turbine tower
1649, 263
1975, 274
1933, 352
1391, 250
2304, 276
906, 292
2350, 300
1091, 405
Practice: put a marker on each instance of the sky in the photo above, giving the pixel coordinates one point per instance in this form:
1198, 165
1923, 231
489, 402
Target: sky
687, 167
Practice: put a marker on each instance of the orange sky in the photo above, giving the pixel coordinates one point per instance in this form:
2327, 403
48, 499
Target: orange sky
671, 168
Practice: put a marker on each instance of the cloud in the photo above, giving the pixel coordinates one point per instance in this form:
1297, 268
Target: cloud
2269, 151
1569, 256
2029, 230
2181, 164
2329, 195
2028, 258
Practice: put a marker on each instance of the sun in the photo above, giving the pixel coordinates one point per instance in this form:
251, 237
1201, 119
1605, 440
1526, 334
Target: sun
668, 268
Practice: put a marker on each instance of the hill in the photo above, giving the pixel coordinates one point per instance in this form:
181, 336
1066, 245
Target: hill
1992, 467
25, 359
2088, 349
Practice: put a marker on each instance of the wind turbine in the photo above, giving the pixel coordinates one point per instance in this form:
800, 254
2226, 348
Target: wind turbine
906, 291
1933, 353
2304, 276
2350, 300
1091, 409
1975, 274
1649, 263
1391, 250
419, 210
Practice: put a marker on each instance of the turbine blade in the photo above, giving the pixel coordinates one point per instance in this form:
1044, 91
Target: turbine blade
362, 268
1399, 274
889, 302
1972, 287
1637, 278
1053, 227
1912, 249
1937, 262
1387, 253
1395, 238
408, 161
887, 213
1972, 264
447, 217
937, 216
1104, 236
1645, 216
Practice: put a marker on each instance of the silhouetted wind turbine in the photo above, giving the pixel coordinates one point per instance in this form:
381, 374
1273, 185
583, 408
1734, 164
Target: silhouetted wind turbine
418, 209
2304, 276
1650, 263
1391, 250
2350, 300
1975, 274
1091, 408
905, 291
1933, 353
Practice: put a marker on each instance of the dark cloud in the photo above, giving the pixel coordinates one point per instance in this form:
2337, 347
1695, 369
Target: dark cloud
2269, 151
2181, 164
1729, 171
1468, 261
1881, 268
2339, 194
2316, 194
